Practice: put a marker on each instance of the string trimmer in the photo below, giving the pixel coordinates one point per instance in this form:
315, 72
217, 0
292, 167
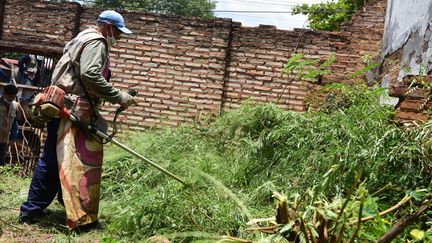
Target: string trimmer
51, 104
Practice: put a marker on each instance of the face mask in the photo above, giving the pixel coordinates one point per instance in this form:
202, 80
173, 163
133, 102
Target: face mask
110, 39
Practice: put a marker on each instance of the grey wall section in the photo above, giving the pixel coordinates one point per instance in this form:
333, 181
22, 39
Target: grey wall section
408, 25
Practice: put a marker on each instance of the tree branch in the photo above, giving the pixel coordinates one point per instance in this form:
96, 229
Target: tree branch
403, 223
389, 210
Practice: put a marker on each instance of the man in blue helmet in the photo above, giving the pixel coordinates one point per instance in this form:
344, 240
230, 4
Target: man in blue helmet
71, 164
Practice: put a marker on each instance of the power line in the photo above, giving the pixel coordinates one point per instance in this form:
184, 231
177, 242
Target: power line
249, 11
255, 11
260, 11
275, 4
287, 20
283, 3
265, 17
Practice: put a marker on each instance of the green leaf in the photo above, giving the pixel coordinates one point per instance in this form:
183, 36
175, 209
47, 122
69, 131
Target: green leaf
417, 234
416, 195
302, 238
370, 206
329, 15
107, 240
312, 230
286, 228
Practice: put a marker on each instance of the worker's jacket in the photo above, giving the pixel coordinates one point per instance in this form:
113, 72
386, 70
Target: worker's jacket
8, 120
89, 47
84, 62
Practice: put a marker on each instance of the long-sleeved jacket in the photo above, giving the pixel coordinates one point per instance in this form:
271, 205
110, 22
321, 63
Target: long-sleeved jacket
85, 58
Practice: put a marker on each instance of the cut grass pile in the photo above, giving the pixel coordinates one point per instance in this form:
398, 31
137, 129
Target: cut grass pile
235, 163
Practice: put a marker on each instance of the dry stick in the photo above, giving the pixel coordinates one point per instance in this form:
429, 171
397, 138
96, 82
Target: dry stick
339, 236
26, 122
296, 205
10, 153
25, 141
10, 208
389, 210
323, 230
380, 190
17, 153
314, 217
262, 228
403, 223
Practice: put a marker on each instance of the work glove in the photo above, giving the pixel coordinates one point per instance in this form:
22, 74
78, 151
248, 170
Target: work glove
126, 100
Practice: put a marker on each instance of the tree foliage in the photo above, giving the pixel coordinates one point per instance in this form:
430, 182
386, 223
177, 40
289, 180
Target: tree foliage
193, 8
329, 15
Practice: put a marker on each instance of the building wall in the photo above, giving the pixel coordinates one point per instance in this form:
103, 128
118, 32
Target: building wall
187, 68
407, 54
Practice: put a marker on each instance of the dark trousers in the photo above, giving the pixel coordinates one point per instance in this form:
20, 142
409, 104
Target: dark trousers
45, 183
2, 153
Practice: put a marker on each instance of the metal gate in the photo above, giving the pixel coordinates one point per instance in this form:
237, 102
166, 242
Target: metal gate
30, 73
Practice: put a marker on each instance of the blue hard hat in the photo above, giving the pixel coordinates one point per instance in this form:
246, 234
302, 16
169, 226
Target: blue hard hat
114, 18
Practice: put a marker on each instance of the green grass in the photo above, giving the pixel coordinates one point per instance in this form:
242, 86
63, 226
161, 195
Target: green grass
13, 190
234, 164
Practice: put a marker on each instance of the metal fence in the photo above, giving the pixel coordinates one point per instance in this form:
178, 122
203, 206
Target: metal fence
30, 73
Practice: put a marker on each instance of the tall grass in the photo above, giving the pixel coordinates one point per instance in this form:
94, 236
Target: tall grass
235, 163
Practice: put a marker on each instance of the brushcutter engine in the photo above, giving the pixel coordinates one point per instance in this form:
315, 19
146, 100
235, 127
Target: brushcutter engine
49, 104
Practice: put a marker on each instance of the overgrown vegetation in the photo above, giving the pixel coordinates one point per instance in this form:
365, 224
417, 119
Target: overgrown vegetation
337, 165
236, 163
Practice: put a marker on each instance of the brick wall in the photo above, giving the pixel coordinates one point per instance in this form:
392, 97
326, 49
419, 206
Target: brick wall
414, 99
186, 68
363, 34
257, 59
366, 28
29, 25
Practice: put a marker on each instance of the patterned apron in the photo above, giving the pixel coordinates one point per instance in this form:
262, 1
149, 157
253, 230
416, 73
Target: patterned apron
80, 167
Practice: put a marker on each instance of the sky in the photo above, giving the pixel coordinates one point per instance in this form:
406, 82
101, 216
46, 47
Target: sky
280, 20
